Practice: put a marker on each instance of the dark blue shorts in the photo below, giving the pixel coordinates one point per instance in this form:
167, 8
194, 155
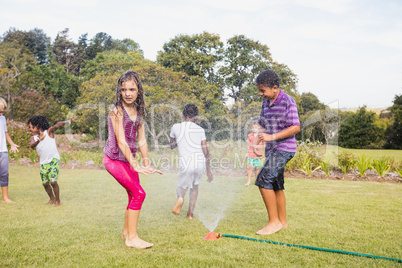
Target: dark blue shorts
3, 169
271, 175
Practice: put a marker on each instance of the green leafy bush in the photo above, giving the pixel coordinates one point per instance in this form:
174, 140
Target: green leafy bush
82, 157
19, 134
363, 163
399, 172
291, 165
33, 155
16, 156
65, 157
307, 158
307, 166
381, 166
326, 165
346, 162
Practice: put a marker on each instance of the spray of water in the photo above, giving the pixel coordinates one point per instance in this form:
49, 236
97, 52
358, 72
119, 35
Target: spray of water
214, 199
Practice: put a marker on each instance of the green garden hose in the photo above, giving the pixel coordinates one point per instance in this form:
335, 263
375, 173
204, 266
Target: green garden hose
308, 247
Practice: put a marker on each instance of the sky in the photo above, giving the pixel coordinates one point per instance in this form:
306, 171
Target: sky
346, 52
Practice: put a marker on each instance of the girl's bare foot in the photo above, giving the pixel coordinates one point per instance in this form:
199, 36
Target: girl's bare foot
57, 204
190, 216
177, 207
247, 184
138, 243
271, 228
8, 201
51, 202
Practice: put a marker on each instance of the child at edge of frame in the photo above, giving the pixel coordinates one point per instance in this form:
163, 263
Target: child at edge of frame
4, 161
280, 122
43, 140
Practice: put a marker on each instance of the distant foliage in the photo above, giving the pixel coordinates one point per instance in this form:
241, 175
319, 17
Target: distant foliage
32, 103
61, 77
393, 134
358, 131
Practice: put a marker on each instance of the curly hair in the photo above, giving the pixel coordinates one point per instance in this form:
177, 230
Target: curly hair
139, 102
268, 78
190, 110
39, 121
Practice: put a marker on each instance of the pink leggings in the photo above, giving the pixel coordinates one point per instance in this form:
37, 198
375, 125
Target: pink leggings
129, 179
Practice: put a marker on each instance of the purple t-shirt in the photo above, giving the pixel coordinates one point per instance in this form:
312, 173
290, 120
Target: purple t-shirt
277, 117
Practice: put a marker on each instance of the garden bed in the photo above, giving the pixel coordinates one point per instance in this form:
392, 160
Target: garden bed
83, 152
353, 175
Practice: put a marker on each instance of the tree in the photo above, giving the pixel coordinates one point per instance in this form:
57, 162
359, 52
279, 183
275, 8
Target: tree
35, 41
393, 133
320, 125
161, 86
99, 43
309, 102
195, 55
359, 131
243, 60
68, 53
288, 81
126, 45
32, 103
52, 80
111, 62
166, 93
13, 63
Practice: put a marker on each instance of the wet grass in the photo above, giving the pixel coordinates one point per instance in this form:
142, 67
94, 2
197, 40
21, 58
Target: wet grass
85, 230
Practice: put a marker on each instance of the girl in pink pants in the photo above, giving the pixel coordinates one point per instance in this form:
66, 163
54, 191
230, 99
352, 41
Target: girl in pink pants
124, 173
125, 130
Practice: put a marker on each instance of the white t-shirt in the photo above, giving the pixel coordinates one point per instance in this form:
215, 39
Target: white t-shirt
3, 130
47, 149
188, 137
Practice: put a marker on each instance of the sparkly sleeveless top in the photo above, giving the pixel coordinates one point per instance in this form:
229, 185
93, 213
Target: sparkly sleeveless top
130, 127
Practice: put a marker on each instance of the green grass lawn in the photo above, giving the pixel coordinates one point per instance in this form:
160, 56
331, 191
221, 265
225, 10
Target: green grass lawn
373, 153
85, 230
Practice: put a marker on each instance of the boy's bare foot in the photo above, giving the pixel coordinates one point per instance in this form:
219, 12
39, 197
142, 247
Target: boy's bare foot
177, 208
51, 202
247, 184
8, 201
138, 243
270, 229
190, 216
284, 225
124, 235
57, 204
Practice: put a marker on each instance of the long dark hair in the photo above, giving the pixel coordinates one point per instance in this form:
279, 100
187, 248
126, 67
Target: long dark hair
139, 102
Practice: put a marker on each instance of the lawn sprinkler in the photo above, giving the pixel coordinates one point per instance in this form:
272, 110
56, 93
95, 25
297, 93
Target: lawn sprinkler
214, 236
